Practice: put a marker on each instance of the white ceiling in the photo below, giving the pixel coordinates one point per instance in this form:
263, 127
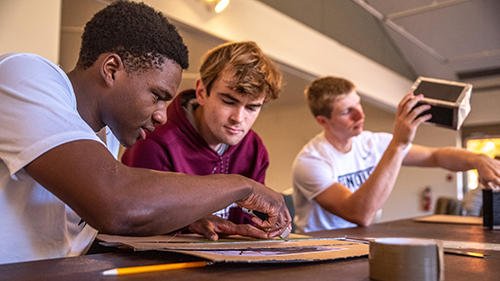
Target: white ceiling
448, 39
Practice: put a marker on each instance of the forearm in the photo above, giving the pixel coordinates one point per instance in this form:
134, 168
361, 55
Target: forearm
169, 201
455, 159
450, 158
118, 199
373, 193
361, 206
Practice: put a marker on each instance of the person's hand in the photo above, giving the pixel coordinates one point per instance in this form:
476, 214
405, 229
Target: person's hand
488, 170
265, 200
211, 226
406, 123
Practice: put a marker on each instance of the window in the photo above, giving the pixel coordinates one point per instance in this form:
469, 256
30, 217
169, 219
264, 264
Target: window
481, 139
488, 146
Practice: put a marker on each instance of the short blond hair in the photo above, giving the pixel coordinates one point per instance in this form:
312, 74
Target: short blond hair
252, 71
322, 91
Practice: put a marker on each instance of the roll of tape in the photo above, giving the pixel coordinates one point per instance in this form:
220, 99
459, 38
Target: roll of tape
408, 259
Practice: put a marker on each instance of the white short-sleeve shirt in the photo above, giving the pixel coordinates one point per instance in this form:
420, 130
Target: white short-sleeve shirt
38, 113
319, 165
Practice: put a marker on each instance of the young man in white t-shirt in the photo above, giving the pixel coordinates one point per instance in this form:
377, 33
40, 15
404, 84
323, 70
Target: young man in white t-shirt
344, 175
58, 181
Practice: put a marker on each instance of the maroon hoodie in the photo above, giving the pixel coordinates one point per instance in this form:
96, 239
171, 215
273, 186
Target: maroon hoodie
178, 147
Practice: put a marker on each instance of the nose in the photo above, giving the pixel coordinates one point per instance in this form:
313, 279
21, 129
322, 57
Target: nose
160, 115
359, 114
238, 115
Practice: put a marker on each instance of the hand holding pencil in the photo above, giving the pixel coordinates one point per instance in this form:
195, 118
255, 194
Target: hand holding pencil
271, 203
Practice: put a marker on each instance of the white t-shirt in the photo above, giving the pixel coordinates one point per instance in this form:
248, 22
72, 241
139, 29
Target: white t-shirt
38, 113
319, 165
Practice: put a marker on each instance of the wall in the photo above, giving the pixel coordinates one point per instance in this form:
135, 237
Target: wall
30, 26
74, 16
485, 107
284, 131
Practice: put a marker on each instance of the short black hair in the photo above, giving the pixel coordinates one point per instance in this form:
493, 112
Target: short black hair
139, 34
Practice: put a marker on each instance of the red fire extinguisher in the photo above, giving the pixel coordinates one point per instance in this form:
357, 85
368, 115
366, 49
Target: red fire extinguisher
426, 199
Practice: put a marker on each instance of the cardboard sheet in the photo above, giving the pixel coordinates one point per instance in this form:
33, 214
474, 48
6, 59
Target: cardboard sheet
240, 249
451, 219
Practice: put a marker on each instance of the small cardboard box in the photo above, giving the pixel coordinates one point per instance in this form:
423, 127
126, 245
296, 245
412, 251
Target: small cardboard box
449, 100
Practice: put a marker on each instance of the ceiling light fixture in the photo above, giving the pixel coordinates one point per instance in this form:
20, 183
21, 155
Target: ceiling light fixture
218, 5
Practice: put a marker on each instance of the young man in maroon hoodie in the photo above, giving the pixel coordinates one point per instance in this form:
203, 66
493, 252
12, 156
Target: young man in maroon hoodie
208, 128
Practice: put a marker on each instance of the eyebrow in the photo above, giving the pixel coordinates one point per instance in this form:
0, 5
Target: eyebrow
238, 101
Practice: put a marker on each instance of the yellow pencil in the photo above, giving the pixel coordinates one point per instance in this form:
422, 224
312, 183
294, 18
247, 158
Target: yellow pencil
152, 268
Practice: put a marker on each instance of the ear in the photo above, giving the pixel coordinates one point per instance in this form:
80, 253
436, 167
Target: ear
111, 67
201, 92
321, 120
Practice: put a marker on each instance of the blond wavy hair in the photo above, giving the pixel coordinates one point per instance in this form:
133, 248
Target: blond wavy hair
253, 73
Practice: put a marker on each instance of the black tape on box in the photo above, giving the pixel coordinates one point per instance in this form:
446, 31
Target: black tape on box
491, 208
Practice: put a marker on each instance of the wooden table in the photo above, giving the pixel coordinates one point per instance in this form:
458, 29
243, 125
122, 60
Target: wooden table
89, 267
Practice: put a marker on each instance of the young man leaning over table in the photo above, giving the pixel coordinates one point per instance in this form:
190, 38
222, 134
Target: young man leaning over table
54, 170
325, 196
208, 129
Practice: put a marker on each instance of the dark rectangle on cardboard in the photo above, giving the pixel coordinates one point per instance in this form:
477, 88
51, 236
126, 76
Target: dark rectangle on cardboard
438, 91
